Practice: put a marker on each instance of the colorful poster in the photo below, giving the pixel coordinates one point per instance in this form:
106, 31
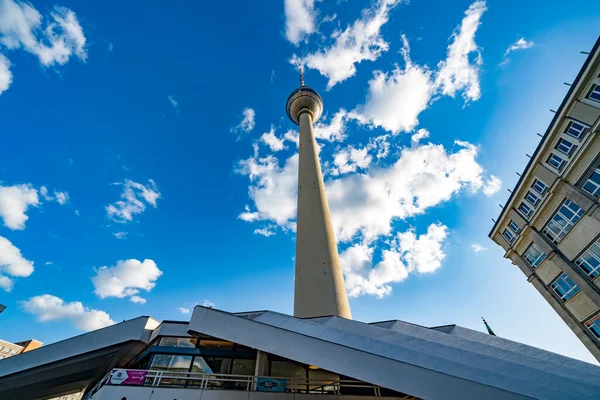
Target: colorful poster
271, 385
127, 377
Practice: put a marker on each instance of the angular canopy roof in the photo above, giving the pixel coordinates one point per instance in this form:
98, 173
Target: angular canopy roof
433, 363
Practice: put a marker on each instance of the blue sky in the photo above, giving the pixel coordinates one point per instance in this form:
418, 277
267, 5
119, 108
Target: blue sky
146, 162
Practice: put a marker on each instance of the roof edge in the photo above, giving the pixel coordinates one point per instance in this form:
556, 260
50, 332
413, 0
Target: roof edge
547, 133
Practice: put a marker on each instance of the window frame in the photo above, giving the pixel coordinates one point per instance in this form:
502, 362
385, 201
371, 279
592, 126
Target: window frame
534, 196
510, 225
594, 320
538, 259
569, 222
568, 294
545, 187
509, 240
568, 149
591, 271
596, 192
594, 87
560, 167
582, 132
527, 214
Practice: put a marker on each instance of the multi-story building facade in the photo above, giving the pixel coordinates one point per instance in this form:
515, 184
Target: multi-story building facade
550, 225
8, 349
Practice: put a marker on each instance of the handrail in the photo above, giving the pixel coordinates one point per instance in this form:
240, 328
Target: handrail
200, 380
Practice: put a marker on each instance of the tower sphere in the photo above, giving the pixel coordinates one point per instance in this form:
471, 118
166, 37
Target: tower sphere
304, 99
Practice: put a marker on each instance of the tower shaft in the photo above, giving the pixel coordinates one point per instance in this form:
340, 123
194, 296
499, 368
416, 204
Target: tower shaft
319, 285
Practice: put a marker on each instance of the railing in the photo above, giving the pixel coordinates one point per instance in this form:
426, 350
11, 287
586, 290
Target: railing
195, 380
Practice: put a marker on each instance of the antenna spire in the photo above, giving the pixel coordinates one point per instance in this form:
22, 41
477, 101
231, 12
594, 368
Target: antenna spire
301, 75
490, 331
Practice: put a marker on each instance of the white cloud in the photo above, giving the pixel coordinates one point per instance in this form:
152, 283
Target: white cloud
14, 202
173, 102
183, 310
292, 136
51, 308
335, 131
358, 42
365, 204
267, 231
48, 263
520, 44
137, 299
274, 143
61, 198
134, 198
248, 215
125, 279
457, 72
419, 135
422, 177
396, 98
12, 263
478, 248
300, 16
272, 189
406, 254
53, 42
207, 303
247, 123
44, 193
5, 74
492, 185
350, 159
120, 235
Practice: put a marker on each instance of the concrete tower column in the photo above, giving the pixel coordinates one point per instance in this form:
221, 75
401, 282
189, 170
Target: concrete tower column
319, 284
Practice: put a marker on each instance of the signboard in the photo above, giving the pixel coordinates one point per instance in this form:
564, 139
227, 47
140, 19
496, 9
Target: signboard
271, 385
132, 377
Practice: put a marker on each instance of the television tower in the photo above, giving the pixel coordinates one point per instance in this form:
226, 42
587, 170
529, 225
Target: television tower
319, 288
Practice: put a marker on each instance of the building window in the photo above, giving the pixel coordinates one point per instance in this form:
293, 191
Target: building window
534, 256
171, 341
525, 209
576, 130
593, 324
512, 225
216, 344
508, 235
563, 220
532, 198
556, 161
171, 362
564, 287
565, 146
592, 185
540, 186
594, 93
589, 261
13, 352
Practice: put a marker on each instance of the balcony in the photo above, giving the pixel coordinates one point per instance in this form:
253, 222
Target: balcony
158, 385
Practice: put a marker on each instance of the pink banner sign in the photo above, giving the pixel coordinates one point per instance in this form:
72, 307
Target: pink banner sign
127, 377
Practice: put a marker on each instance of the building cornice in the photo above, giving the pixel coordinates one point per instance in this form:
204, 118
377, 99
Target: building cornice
558, 118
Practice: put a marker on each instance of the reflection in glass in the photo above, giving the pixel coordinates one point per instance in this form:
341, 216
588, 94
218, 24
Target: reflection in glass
215, 344
171, 341
171, 363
